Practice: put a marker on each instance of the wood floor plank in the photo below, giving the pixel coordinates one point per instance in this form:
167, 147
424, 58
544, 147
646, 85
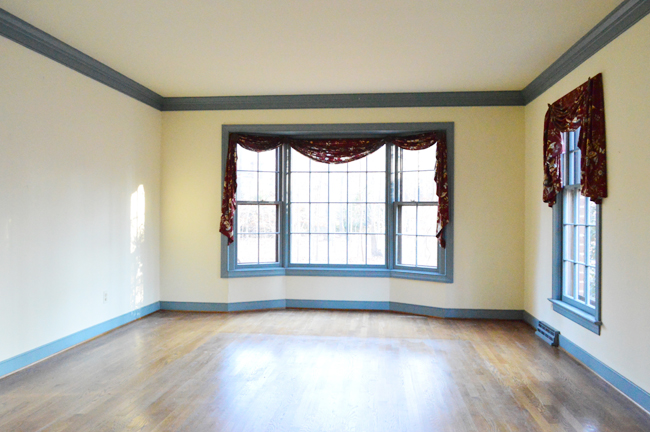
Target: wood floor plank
310, 370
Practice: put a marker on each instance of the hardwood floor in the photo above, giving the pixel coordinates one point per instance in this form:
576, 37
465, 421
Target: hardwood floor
298, 370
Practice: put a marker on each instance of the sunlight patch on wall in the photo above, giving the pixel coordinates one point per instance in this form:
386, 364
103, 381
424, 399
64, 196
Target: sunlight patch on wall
137, 239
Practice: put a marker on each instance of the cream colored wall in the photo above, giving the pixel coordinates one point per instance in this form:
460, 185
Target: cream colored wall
72, 151
488, 232
624, 344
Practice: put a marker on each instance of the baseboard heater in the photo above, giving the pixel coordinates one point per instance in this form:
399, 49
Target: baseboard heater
548, 334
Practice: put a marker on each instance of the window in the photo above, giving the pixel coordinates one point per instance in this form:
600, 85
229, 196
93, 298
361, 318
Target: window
373, 217
576, 279
338, 211
417, 208
258, 207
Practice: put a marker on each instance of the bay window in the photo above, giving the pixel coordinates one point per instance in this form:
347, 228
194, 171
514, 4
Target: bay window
372, 215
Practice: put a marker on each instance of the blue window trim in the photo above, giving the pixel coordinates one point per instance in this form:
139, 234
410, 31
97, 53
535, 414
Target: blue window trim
444, 272
591, 320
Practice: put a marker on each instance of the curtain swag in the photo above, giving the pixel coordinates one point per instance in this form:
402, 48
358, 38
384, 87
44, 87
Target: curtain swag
334, 151
581, 108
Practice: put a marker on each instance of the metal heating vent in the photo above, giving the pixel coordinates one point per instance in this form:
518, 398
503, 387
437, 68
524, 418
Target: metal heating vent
548, 334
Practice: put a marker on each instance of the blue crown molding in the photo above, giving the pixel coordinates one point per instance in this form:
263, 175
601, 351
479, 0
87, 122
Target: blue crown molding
620, 19
359, 100
25, 34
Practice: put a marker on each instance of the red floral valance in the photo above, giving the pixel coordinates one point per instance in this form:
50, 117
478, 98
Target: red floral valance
581, 108
336, 151
333, 151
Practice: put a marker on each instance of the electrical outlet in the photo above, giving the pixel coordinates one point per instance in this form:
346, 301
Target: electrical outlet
105, 296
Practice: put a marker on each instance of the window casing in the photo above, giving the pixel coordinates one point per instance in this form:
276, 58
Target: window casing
323, 229
576, 248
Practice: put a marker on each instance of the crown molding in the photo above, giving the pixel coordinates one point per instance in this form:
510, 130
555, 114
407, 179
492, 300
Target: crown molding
360, 100
620, 19
25, 34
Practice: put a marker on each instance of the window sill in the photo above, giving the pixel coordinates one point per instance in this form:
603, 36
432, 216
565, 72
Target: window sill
338, 272
576, 315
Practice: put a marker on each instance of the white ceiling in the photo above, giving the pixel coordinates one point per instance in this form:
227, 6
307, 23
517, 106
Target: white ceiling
282, 47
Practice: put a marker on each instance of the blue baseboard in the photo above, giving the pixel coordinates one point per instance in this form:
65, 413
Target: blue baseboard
193, 306
531, 320
337, 304
627, 387
516, 315
437, 312
257, 305
25, 359
222, 307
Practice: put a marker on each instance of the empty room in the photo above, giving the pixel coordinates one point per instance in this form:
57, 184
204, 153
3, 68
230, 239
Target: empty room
324, 215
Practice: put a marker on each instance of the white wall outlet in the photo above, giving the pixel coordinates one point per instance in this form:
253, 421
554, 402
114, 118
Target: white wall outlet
105, 296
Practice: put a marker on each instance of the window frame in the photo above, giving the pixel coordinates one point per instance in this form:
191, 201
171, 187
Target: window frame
580, 314
444, 273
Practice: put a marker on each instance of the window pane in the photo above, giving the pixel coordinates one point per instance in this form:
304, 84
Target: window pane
592, 286
592, 213
406, 220
300, 248
356, 249
318, 223
406, 250
267, 160
338, 249
318, 249
267, 186
338, 222
568, 279
427, 186
376, 218
581, 283
357, 218
592, 246
300, 218
299, 187
409, 160
377, 187
268, 218
246, 186
377, 160
582, 210
319, 187
409, 186
357, 165
317, 166
299, 162
569, 243
357, 187
376, 249
246, 159
247, 249
338, 187
582, 240
427, 249
268, 248
427, 158
427, 220
247, 219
